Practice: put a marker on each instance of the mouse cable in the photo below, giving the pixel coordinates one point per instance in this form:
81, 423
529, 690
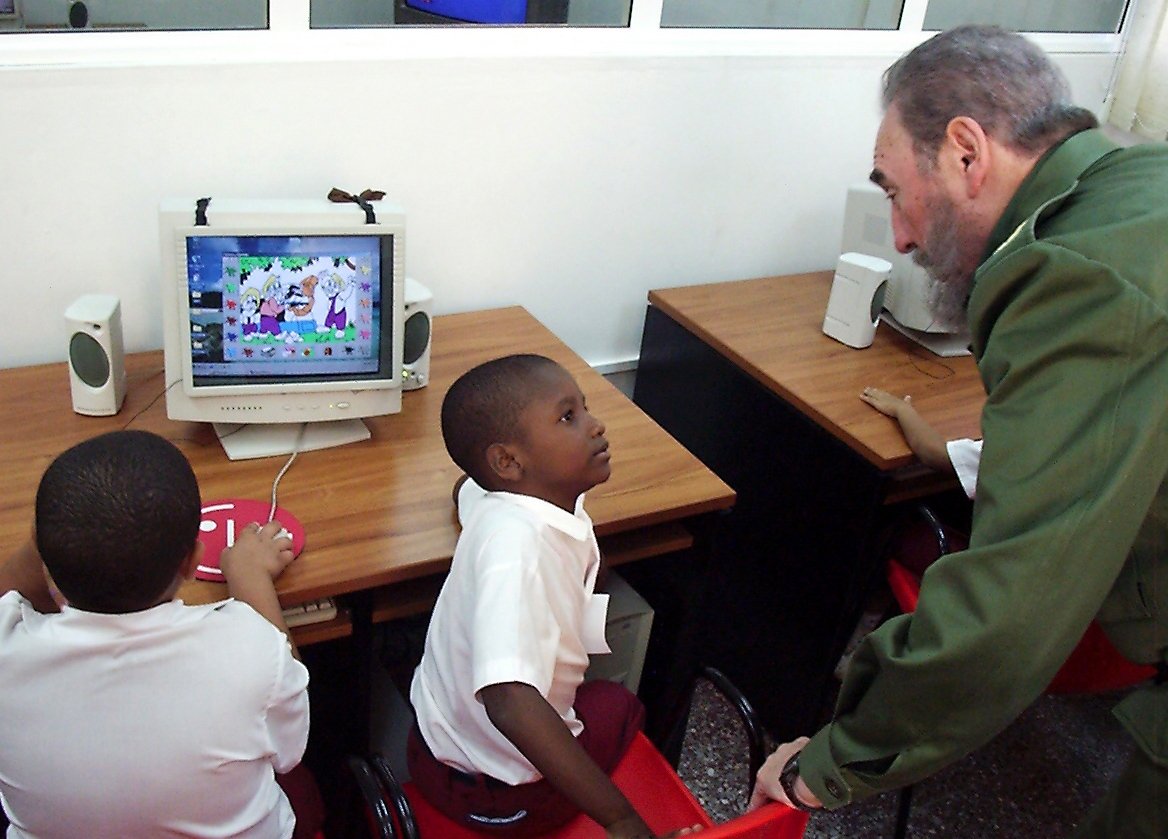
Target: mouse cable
287, 466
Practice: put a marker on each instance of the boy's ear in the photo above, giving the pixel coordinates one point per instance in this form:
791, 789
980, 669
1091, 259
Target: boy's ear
187, 569
503, 462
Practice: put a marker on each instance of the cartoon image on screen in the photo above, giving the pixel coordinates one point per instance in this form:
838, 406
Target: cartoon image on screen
292, 306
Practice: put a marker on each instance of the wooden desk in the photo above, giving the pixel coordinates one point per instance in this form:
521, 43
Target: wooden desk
742, 374
772, 329
376, 513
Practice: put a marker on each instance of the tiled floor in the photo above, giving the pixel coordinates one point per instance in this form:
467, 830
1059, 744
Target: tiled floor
1036, 779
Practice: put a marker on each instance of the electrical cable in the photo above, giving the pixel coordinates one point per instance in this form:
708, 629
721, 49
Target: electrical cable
287, 466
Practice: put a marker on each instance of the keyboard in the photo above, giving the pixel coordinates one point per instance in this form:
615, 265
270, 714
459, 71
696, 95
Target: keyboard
314, 611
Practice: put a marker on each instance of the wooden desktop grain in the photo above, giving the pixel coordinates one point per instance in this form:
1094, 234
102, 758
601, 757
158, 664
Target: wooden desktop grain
376, 512
771, 328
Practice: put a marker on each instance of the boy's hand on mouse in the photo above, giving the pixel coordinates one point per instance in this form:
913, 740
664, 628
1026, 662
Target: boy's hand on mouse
257, 548
250, 566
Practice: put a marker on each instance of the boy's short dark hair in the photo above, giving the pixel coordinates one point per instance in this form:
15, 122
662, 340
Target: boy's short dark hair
483, 406
116, 516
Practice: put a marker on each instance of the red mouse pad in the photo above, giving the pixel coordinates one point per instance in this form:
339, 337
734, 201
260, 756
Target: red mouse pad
223, 519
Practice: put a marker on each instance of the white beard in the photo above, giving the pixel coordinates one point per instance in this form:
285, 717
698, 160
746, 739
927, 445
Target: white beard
950, 261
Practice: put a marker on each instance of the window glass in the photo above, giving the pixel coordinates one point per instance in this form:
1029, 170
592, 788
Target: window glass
334, 14
132, 15
783, 14
1072, 16
1032, 16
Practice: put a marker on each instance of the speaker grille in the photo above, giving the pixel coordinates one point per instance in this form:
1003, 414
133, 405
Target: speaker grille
417, 337
88, 360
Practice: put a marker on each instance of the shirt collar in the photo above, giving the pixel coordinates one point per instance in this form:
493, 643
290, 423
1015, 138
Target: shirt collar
577, 524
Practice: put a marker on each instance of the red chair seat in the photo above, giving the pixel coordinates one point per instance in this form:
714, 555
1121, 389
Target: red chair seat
658, 794
1094, 666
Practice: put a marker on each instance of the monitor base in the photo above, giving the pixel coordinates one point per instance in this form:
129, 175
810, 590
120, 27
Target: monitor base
245, 442
944, 344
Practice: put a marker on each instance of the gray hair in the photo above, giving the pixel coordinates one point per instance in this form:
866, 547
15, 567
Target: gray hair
1005, 82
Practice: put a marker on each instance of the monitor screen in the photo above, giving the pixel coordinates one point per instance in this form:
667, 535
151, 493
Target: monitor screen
270, 309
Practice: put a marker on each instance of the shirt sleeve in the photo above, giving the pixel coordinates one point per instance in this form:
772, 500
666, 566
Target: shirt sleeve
1074, 457
287, 715
965, 455
514, 641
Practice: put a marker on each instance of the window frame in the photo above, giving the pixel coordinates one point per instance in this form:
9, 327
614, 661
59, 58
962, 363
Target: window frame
290, 40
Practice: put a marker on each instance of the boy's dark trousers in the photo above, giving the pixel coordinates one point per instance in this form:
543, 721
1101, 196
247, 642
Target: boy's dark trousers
612, 717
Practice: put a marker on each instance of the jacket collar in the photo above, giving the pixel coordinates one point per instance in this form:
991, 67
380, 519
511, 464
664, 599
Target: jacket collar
1054, 175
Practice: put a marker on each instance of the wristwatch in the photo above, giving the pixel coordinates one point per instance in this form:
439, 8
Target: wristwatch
787, 779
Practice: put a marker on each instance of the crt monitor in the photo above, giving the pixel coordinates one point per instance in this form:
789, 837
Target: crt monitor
868, 230
282, 320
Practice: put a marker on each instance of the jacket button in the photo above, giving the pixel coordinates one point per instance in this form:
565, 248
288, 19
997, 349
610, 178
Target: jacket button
833, 787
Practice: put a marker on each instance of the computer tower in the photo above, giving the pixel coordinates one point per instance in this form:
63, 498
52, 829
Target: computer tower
630, 620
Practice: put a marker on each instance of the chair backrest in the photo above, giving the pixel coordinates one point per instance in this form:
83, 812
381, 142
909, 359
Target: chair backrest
1094, 666
387, 813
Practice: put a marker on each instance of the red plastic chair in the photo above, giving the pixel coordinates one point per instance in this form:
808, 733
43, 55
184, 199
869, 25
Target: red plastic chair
1094, 666
643, 775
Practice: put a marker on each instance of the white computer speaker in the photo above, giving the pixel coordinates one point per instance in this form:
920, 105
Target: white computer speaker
416, 355
857, 296
97, 368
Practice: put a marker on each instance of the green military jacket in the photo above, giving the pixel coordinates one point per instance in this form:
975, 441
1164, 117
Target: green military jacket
1069, 320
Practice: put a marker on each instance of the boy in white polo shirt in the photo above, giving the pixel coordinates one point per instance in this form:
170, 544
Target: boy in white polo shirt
509, 739
126, 712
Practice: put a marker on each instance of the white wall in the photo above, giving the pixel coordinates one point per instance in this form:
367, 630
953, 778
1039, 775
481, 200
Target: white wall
568, 185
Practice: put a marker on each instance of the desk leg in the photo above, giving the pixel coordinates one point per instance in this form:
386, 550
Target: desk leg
674, 585
793, 560
339, 693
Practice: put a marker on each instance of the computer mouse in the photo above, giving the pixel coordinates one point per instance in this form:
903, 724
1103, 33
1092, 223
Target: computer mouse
222, 519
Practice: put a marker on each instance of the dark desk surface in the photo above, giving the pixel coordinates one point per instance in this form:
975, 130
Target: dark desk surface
771, 328
376, 512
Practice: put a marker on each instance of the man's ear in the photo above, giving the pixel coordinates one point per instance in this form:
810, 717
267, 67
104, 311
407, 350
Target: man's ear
502, 461
969, 151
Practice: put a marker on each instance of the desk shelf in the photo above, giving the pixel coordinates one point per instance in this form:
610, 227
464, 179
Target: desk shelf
416, 597
315, 633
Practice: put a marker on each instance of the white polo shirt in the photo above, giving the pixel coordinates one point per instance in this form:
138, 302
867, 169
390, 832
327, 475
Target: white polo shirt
165, 722
518, 606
